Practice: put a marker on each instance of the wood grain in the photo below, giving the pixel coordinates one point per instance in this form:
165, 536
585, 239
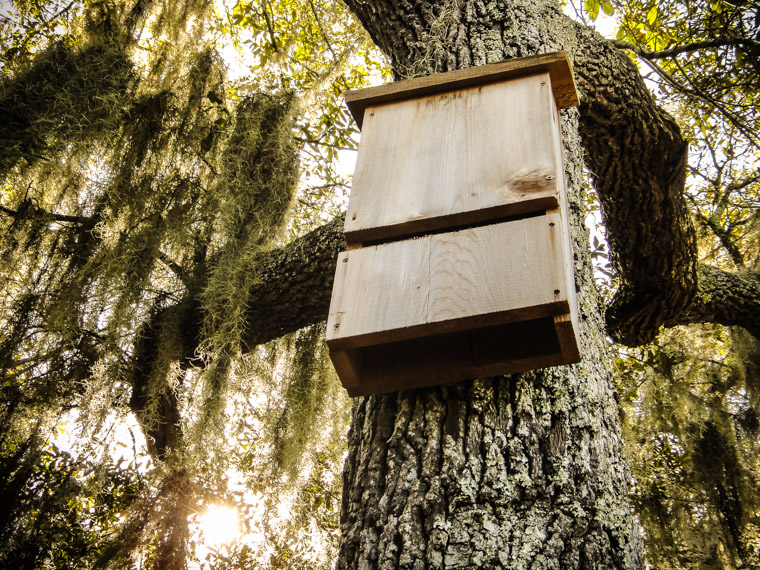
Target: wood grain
446, 282
556, 64
379, 289
455, 159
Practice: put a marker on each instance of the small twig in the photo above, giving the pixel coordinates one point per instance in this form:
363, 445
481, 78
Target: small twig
321, 29
670, 52
330, 185
319, 143
55, 217
270, 29
175, 267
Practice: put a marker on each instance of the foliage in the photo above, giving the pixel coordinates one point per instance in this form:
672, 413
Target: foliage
690, 400
692, 429
57, 510
315, 48
139, 187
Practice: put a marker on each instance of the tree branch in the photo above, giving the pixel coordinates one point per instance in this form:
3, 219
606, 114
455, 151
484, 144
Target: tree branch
294, 285
699, 94
637, 158
670, 52
724, 298
27, 205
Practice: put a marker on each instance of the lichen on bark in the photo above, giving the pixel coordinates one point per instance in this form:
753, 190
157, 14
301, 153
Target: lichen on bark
524, 471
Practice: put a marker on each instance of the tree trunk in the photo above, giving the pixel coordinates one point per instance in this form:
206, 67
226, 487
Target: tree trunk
524, 471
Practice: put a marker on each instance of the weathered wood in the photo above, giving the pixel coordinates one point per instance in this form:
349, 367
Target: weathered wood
555, 64
449, 357
454, 305
566, 326
387, 292
456, 158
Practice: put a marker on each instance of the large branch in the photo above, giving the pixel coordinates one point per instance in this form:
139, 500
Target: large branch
724, 298
294, 285
637, 158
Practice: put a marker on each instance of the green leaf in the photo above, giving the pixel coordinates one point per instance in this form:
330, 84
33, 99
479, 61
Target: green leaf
652, 15
592, 7
608, 8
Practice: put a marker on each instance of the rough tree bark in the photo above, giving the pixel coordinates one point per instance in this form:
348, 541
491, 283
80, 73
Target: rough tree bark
511, 472
523, 471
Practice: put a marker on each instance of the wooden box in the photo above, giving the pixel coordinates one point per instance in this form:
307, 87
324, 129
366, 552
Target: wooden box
458, 148
459, 263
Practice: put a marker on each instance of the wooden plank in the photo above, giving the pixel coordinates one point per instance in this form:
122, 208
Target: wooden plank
556, 64
514, 266
568, 329
379, 288
455, 159
442, 283
450, 357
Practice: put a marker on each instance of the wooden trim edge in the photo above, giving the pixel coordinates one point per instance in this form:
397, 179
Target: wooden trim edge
556, 64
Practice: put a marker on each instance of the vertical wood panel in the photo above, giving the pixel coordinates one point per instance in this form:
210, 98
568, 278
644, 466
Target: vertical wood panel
567, 328
454, 158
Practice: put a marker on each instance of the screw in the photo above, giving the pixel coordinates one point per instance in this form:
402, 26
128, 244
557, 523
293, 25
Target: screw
550, 177
353, 217
551, 225
336, 327
345, 260
556, 292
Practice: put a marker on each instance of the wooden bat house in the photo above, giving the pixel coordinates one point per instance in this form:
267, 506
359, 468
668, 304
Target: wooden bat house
458, 262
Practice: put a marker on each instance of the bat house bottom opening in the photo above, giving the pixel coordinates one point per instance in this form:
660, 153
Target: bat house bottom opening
449, 357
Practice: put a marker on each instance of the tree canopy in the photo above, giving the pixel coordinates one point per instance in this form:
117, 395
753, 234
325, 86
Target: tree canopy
170, 212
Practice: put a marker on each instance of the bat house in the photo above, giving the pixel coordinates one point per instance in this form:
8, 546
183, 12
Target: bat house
458, 262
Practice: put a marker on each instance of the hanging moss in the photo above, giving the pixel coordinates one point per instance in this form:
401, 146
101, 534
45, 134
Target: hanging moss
257, 180
307, 393
137, 196
68, 95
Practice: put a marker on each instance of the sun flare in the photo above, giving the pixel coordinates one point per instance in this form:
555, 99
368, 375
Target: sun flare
220, 525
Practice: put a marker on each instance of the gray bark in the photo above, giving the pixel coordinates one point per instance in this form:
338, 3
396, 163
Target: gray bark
510, 472
724, 298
